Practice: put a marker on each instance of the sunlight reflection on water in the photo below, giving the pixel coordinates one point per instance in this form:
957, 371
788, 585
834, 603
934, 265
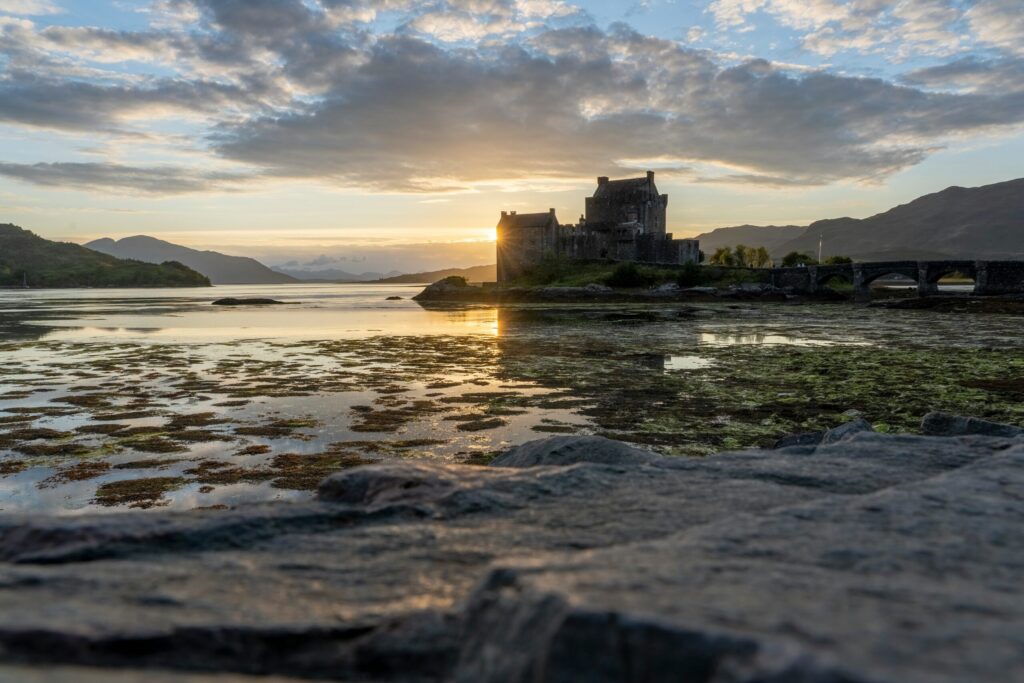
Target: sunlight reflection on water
768, 339
308, 312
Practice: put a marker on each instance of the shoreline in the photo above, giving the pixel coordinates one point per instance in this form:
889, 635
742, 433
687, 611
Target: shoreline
444, 293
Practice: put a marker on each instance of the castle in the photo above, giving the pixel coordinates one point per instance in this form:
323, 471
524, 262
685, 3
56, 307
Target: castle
624, 221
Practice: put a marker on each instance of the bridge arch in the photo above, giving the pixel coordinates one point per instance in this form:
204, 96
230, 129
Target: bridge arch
936, 270
832, 277
874, 271
940, 270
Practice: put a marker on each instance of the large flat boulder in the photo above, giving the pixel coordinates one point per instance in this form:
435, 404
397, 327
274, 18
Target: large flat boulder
874, 558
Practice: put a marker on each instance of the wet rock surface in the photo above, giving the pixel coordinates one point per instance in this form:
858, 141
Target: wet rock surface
944, 424
873, 558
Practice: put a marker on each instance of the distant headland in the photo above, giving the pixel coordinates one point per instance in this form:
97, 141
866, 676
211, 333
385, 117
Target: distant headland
27, 260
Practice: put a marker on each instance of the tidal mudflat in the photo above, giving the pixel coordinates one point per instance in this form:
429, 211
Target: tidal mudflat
116, 399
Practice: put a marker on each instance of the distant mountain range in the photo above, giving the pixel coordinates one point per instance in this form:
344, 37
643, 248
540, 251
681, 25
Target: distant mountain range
472, 274
26, 258
331, 274
981, 222
220, 268
239, 270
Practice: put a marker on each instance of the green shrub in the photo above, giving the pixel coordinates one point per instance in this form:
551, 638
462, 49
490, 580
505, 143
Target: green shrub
456, 281
629, 274
689, 276
795, 258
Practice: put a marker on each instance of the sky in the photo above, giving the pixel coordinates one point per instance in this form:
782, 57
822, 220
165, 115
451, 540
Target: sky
391, 133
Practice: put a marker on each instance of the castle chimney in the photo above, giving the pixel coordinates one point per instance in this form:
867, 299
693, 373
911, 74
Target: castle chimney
601, 180
650, 176
551, 211
504, 214
513, 213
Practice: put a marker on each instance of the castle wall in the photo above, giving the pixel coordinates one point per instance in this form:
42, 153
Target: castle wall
594, 245
522, 247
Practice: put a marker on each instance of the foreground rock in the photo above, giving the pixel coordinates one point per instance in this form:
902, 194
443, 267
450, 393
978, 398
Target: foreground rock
835, 435
246, 302
873, 558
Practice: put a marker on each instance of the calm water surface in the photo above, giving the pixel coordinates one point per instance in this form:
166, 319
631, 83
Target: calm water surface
116, 399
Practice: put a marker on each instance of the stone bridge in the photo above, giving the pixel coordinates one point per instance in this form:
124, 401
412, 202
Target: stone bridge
990, 277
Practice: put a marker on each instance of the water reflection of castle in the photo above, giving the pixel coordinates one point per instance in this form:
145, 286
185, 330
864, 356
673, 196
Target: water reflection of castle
624, 221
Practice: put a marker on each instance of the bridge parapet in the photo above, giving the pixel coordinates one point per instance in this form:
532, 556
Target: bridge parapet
999, 277
990, 277
797, 279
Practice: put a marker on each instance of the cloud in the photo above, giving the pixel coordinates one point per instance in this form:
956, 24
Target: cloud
307, 89
999, 23
122, 179
418, 118
971, 74
899, 30
83, 106
756, 179
473, 20
29, 7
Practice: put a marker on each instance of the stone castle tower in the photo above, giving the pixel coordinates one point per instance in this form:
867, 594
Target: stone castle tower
631, 204
624, 220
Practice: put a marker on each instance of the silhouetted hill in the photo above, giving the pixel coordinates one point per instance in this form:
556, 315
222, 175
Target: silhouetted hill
984, 222
220, 268
24, 256
978, 222
767, 236
473, 274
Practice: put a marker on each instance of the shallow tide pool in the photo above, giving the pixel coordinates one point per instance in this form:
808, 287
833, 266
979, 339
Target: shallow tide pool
115, 399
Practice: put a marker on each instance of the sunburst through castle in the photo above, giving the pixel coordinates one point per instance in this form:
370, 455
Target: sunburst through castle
624, 221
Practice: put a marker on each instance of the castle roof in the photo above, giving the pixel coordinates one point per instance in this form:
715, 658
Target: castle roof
527, 220
627, 189
625, 185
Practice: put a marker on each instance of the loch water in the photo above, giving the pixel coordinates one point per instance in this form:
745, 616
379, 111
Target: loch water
155, 398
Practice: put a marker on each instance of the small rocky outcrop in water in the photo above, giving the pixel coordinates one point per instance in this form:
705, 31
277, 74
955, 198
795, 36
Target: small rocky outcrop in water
944, 424
871, 558
230, 301
835, 435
